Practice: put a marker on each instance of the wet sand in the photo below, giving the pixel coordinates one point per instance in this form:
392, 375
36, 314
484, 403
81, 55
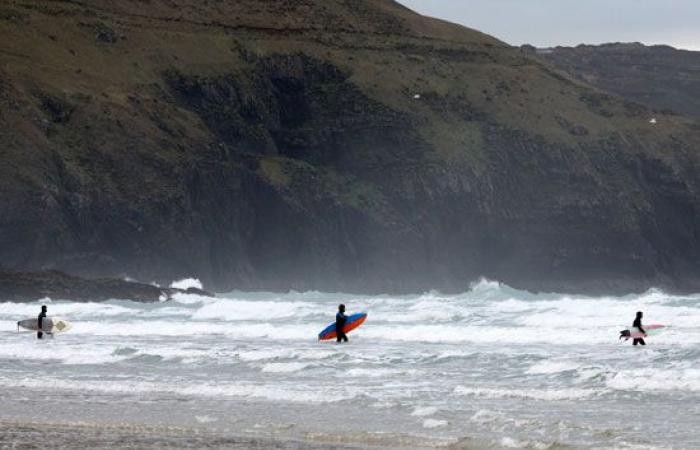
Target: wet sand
33, 418
18, 435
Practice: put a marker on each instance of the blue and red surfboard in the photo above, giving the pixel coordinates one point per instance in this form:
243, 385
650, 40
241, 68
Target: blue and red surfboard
353, 322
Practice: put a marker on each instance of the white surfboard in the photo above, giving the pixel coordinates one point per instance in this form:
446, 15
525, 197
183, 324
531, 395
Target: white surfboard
48, 325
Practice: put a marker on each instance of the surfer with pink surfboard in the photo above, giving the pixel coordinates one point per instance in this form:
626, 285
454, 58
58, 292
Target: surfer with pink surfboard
638, 325
638, 332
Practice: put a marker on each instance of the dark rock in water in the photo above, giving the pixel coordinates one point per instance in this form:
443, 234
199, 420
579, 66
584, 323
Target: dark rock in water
331, 145
31, 286
192, 290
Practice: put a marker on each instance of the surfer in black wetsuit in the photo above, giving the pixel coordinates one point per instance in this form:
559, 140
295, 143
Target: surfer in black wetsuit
638, 324
340, 320
40, 323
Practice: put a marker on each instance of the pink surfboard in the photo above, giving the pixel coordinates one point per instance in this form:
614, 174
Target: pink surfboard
650, 329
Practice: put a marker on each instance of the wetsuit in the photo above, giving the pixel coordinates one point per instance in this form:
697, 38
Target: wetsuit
340, 321
638, 324
40, 324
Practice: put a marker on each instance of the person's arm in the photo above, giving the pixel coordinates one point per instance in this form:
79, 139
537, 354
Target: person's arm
638, 324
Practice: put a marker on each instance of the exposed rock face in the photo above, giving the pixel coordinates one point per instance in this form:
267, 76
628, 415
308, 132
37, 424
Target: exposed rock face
659, 76
31, 286
326, 144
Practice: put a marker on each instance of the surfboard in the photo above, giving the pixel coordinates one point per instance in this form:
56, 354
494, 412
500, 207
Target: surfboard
651, 330
353, 322
49, 325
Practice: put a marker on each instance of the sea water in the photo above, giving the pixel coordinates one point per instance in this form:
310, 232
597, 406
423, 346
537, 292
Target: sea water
490, 368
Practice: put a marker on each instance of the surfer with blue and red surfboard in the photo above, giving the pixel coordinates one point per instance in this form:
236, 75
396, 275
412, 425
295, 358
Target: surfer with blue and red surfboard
340, 320
343, 324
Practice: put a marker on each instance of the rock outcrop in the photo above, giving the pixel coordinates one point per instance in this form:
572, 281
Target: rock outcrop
31, 286
330, 145
658, 76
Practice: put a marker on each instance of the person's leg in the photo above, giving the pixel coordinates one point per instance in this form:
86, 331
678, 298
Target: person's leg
641, 341
635, 342
39, 335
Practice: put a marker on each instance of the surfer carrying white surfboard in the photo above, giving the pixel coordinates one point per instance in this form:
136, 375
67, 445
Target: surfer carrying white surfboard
638, 324
40, 322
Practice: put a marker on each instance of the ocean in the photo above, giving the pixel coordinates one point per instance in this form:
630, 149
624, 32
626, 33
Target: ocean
491, 368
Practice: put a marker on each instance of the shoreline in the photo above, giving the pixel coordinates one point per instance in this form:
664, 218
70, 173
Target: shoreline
78, 418
68, 435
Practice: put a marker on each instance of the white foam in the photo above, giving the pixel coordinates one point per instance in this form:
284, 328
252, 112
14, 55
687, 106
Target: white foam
508, 442
529, 394
434, 423
269, 392
69, 311
67, 350
512, 305
424, 411
193, 328
185, 298
484, 416
187, 283
26, 348
377, 372
261, 355
284, 367
485, 285
687, 380
315, 354
240, 310
206, 419
483, 334
548, 367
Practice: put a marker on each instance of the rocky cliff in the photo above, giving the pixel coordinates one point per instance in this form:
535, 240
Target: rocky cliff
326, 144
659, 76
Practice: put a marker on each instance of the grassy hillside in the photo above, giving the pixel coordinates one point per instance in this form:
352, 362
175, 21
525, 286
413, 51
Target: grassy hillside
345, 145
659, 76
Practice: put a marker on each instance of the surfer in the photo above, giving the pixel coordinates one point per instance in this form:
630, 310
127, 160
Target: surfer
638, 324
340, 320
40, 322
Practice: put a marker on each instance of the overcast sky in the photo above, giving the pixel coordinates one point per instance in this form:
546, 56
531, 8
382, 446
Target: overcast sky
545, 23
